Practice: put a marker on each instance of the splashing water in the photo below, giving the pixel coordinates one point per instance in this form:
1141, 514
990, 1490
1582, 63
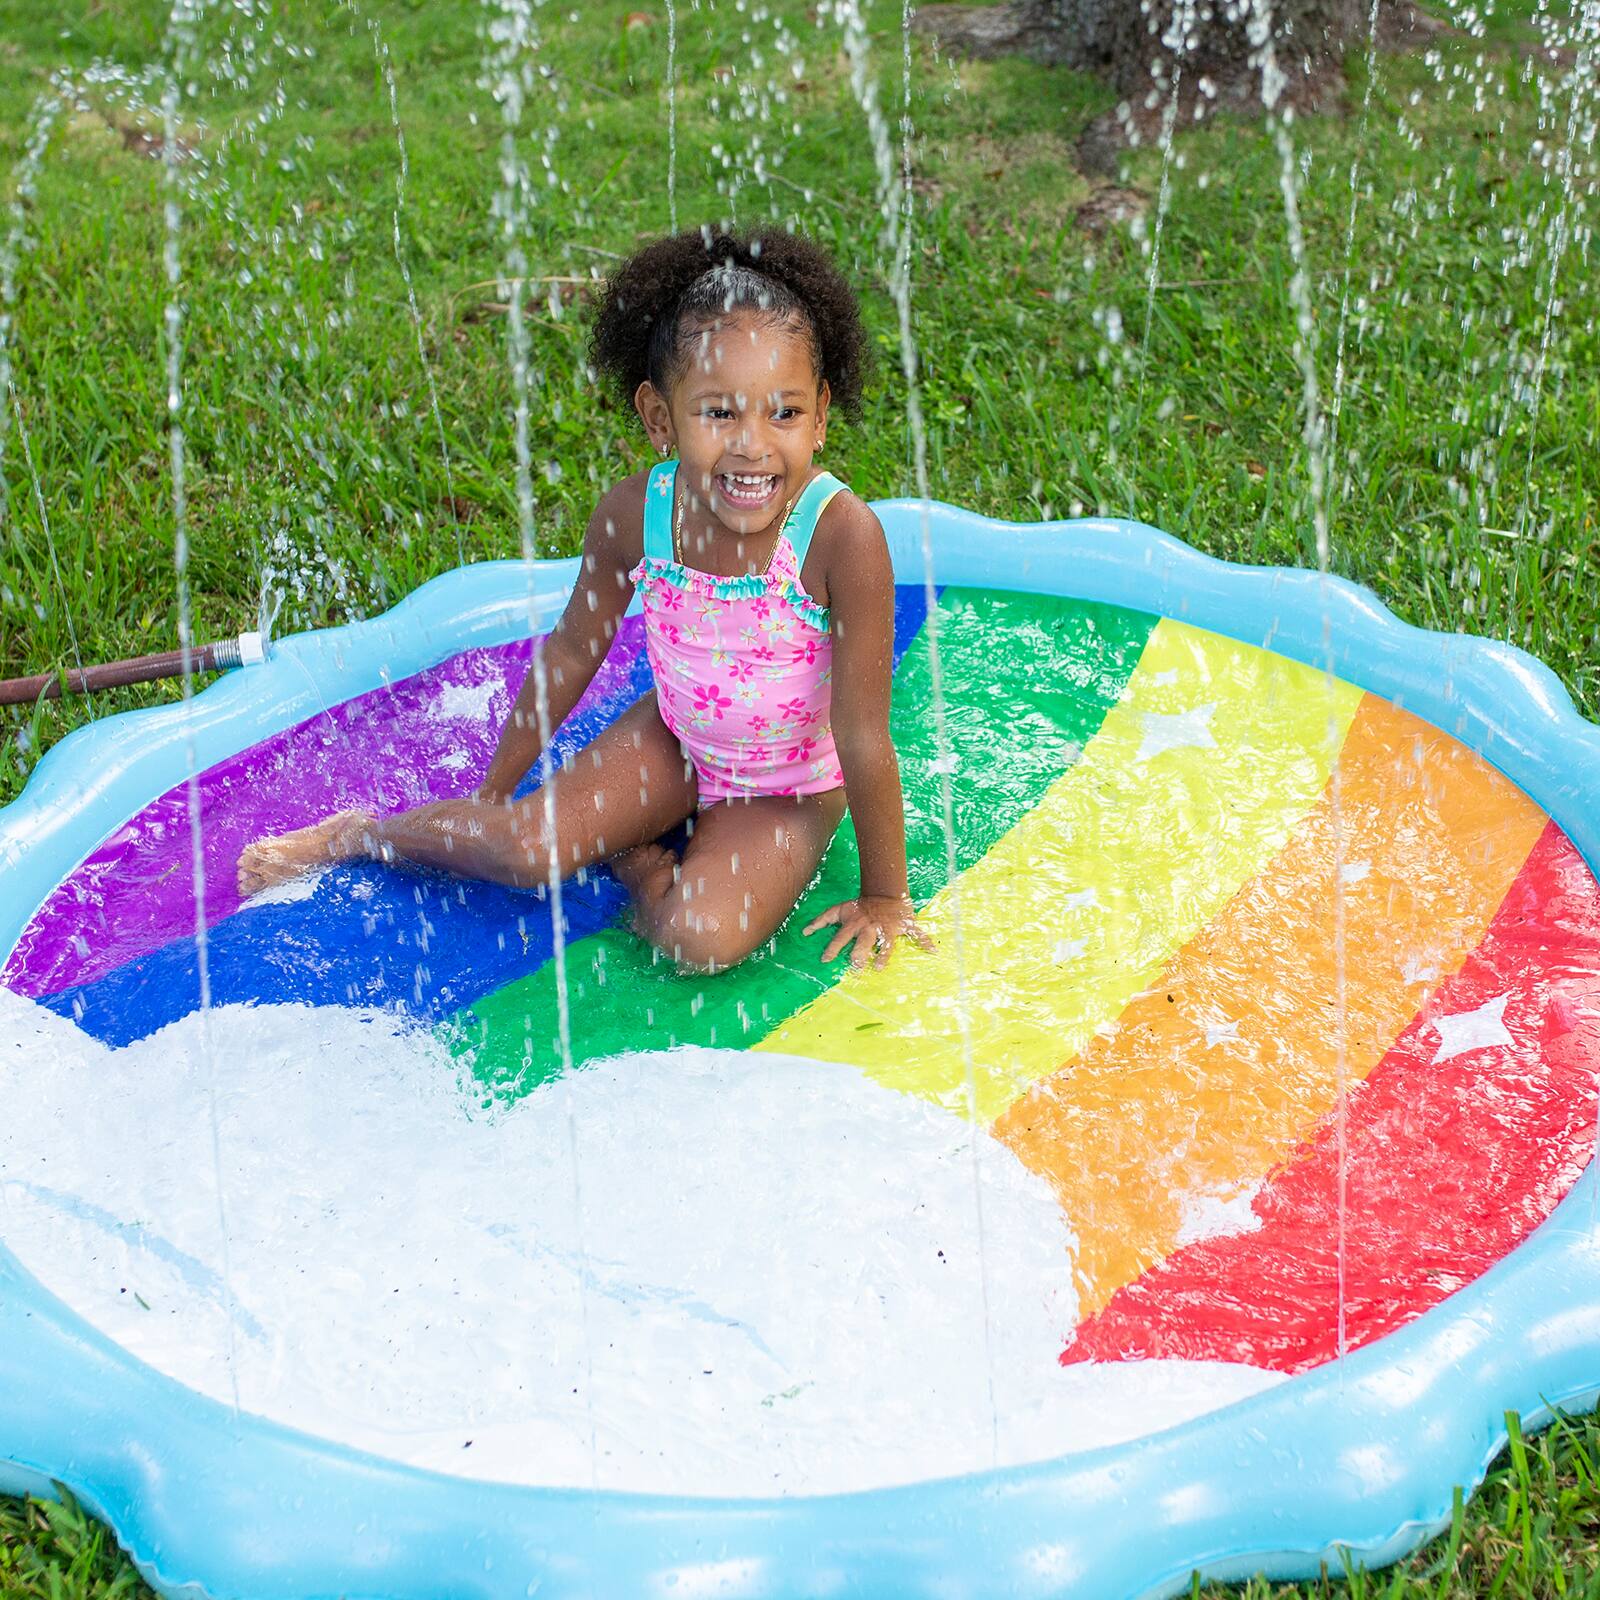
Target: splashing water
41, 123
380, 50
750, 106
1581, 78
510, 77
1178, 39
672, 115
1336, 405
181, 46
896, 215
1314, 434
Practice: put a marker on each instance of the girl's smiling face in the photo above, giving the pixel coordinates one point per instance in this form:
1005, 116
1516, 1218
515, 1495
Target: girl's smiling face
745, 417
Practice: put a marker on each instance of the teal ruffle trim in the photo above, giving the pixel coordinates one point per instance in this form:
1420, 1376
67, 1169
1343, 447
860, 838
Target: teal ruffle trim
804, 606
750, 587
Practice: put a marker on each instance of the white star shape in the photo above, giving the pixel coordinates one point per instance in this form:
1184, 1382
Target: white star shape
1069, 949
1080, 898
1354, 871
1216, 1032
1177, 730
1472, 1030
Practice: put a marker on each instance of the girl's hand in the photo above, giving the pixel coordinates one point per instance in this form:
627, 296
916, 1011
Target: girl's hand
871, 924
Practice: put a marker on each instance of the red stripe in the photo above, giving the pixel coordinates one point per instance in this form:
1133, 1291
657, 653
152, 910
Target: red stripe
1450, 1165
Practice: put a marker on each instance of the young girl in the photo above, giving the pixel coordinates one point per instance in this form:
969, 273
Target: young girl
768, 602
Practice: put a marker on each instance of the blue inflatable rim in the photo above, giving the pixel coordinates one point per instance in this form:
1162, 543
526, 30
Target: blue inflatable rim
1358, 1457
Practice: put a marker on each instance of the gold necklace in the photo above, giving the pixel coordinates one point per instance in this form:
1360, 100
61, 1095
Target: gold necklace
772, 554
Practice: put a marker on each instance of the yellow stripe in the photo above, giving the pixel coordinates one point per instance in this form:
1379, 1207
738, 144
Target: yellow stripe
1193, 783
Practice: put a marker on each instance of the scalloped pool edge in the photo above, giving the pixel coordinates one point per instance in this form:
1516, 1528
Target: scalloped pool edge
1359, 1456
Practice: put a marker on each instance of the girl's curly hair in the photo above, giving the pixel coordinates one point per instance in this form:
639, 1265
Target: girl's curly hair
663, 295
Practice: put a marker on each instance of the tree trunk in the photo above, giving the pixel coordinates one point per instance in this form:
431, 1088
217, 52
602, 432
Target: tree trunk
1240, 55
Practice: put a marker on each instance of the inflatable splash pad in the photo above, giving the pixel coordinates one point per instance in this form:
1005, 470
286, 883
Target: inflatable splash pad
1203, 1202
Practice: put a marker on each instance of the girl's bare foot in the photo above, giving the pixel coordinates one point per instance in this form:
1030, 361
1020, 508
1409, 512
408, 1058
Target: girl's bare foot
646, 872
269, 862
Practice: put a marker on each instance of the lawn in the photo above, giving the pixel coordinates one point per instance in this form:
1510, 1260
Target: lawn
347, 396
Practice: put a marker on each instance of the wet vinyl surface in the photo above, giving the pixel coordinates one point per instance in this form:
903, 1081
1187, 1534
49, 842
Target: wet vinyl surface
1220, 931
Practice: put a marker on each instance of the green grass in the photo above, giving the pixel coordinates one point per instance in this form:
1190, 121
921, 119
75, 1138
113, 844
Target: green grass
1465, 474
316, 483
54, 1550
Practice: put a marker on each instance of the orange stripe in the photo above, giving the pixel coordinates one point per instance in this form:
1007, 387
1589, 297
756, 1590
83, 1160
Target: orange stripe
1449, 1164
1216, 1074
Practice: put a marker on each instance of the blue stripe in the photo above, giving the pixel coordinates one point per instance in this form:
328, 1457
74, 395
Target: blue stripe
423, 943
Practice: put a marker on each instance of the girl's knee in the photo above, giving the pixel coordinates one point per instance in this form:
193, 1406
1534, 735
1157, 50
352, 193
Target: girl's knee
705, 939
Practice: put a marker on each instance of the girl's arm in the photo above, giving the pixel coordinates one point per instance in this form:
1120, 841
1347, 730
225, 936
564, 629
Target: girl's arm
860, 590
483, 836
573, 650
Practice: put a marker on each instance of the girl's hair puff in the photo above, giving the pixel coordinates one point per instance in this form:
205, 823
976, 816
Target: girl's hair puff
663, 295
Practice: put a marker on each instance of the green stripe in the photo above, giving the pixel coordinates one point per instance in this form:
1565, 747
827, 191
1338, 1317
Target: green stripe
1027, 680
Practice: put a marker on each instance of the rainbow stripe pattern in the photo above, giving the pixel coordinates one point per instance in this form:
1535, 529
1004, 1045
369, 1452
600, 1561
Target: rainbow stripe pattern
1219, 938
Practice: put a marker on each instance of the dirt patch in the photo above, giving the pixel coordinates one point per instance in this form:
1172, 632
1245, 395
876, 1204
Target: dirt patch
1031, 177
1110, 206
112, 131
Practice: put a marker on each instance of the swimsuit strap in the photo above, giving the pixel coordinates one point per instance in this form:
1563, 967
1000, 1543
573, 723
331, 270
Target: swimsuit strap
802, 521
658, 498
798, 529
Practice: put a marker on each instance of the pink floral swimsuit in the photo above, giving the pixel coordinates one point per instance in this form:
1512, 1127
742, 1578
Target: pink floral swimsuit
742, 665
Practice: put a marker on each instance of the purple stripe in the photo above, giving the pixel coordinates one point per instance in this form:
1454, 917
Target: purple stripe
427, 737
